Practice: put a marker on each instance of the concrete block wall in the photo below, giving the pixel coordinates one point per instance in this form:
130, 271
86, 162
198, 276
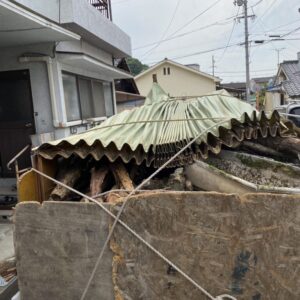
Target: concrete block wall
247, 247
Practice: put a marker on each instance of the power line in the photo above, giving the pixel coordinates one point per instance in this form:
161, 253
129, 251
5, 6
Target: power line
265, 12
205, 51
165, 32
187, 33
196, 17
192, 20
230, 36
280, 26
238, 72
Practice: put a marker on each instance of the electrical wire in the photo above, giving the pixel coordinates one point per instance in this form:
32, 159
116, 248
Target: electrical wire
221, 22
206, 51
189, 22
165, 32
230, 36
237, 72
268, 10
196, 17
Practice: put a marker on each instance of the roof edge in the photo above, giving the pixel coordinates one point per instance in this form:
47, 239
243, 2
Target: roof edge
200, 73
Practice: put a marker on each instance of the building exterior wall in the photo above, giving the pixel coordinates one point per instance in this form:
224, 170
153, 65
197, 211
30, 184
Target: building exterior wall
9, 61
47, 121
272, 100
49, 11
179, 83
83, 46
82, 18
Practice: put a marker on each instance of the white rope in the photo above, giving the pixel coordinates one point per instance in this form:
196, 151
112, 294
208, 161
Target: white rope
117, 220
222, 297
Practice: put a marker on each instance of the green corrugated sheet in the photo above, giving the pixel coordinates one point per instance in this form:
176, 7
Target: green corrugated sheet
156, 131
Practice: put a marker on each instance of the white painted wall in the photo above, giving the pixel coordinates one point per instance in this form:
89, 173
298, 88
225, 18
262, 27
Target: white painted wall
82, 18
46, 8
180, 82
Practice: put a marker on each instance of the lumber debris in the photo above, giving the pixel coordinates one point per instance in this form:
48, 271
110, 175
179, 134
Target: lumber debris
8, 269
67, 177
97, 180
122, 177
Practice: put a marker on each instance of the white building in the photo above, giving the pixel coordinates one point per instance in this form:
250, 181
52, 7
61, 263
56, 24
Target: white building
56, 70
177, 80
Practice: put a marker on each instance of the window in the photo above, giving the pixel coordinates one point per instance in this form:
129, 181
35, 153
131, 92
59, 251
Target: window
167, 71
71, 97
87, 98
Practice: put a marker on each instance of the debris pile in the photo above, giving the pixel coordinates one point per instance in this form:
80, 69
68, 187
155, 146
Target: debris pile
257, 170
8, 269
111, 159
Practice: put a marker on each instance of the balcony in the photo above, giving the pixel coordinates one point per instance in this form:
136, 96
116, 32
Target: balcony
104, 6
91, 19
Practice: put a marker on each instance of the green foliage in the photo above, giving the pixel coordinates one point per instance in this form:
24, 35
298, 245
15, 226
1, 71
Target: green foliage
135, 66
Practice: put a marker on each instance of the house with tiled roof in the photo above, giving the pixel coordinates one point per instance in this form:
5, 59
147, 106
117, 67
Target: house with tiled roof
288, 78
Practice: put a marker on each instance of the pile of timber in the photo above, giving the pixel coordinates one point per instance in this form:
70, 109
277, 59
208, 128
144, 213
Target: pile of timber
108, 182
8, 269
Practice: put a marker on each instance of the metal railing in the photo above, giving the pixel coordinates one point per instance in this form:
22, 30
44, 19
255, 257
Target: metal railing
15, 161
103, 6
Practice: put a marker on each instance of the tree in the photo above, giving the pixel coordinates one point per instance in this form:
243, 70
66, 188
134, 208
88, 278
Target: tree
135, 66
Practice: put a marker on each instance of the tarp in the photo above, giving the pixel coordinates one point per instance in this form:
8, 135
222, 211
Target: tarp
156, 131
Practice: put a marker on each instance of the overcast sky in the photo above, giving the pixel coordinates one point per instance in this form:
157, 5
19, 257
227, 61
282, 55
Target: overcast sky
152, 21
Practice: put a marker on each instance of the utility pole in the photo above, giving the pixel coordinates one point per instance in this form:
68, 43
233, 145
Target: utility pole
244, 3
247, 51
213, 64
278, 55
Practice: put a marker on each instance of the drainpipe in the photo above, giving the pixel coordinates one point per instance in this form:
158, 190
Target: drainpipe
49, 62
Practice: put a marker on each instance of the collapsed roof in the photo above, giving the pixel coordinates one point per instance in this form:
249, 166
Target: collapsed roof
156, 131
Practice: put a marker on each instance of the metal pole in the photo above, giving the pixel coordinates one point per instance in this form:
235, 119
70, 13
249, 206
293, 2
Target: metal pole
213, 65
247, 51
278, 55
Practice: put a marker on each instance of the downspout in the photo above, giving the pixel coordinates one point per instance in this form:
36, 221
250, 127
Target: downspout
49, 62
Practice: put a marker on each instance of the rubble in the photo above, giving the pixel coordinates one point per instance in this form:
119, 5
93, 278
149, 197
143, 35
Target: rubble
107, 162
8, 269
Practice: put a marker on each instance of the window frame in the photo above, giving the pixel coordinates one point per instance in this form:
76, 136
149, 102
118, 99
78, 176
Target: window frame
91, 119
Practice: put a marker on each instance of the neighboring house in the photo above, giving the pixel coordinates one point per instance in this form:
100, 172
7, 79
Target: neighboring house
177, 80
56, 70
261, 83
286, 87
288, 79
236, 89
127, 92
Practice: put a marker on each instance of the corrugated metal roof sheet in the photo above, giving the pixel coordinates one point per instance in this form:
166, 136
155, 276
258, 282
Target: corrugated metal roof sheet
155, 132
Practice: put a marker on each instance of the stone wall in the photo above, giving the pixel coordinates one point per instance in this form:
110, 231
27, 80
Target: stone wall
247, 247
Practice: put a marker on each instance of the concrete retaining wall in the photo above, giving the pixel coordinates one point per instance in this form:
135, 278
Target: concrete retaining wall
247, 247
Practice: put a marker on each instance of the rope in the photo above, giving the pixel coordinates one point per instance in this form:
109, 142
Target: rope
221, 297
117, 220
153, 121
